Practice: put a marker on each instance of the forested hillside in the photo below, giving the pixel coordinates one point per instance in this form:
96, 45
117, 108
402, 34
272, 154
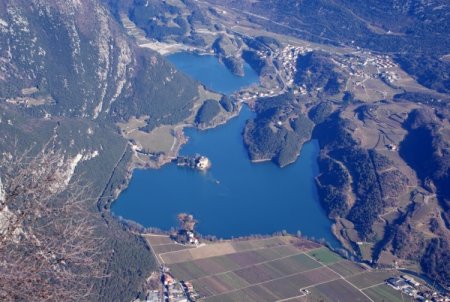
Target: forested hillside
68, 73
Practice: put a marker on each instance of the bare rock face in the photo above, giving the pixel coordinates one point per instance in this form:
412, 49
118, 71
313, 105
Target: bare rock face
60, 47
78, 59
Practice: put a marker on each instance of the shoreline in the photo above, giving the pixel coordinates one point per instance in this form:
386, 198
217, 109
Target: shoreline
197, 51
181, 138
335, 242
165, 159
262, 160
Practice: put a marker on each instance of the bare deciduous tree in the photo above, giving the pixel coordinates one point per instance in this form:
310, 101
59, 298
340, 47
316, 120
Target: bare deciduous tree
187, 222
48, 244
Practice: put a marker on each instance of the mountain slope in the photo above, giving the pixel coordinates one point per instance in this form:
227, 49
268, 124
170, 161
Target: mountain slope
68, 73
75, 58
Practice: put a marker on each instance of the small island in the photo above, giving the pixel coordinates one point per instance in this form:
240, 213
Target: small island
197, 161
186, 234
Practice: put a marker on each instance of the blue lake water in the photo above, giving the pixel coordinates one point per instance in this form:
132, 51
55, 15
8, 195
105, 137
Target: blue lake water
235, 197
209, 71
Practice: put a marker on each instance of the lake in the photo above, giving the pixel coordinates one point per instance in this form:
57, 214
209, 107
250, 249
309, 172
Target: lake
235, 197
209, 71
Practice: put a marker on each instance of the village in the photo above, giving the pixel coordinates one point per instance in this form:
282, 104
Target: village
177, 291
170, 289
285, 60
164, 287
420, 292
360, 66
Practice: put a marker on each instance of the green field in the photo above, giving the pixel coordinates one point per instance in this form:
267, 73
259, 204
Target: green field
325, 256
293, 264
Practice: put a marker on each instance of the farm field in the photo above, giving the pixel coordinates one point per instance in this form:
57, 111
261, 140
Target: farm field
325, 256
281, 268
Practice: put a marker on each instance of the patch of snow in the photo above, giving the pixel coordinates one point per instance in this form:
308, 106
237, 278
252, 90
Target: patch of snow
2, 192
98, 109
103, 69
6, 217
90, 155
18, 19
3, 23
124, 60
71, 168
68, 167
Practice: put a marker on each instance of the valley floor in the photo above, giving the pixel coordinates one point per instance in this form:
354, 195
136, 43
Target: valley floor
279, 268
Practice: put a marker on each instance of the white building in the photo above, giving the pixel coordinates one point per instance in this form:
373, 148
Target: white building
203, 163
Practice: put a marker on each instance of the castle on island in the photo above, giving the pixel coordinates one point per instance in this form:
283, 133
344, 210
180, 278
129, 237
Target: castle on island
197, 161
